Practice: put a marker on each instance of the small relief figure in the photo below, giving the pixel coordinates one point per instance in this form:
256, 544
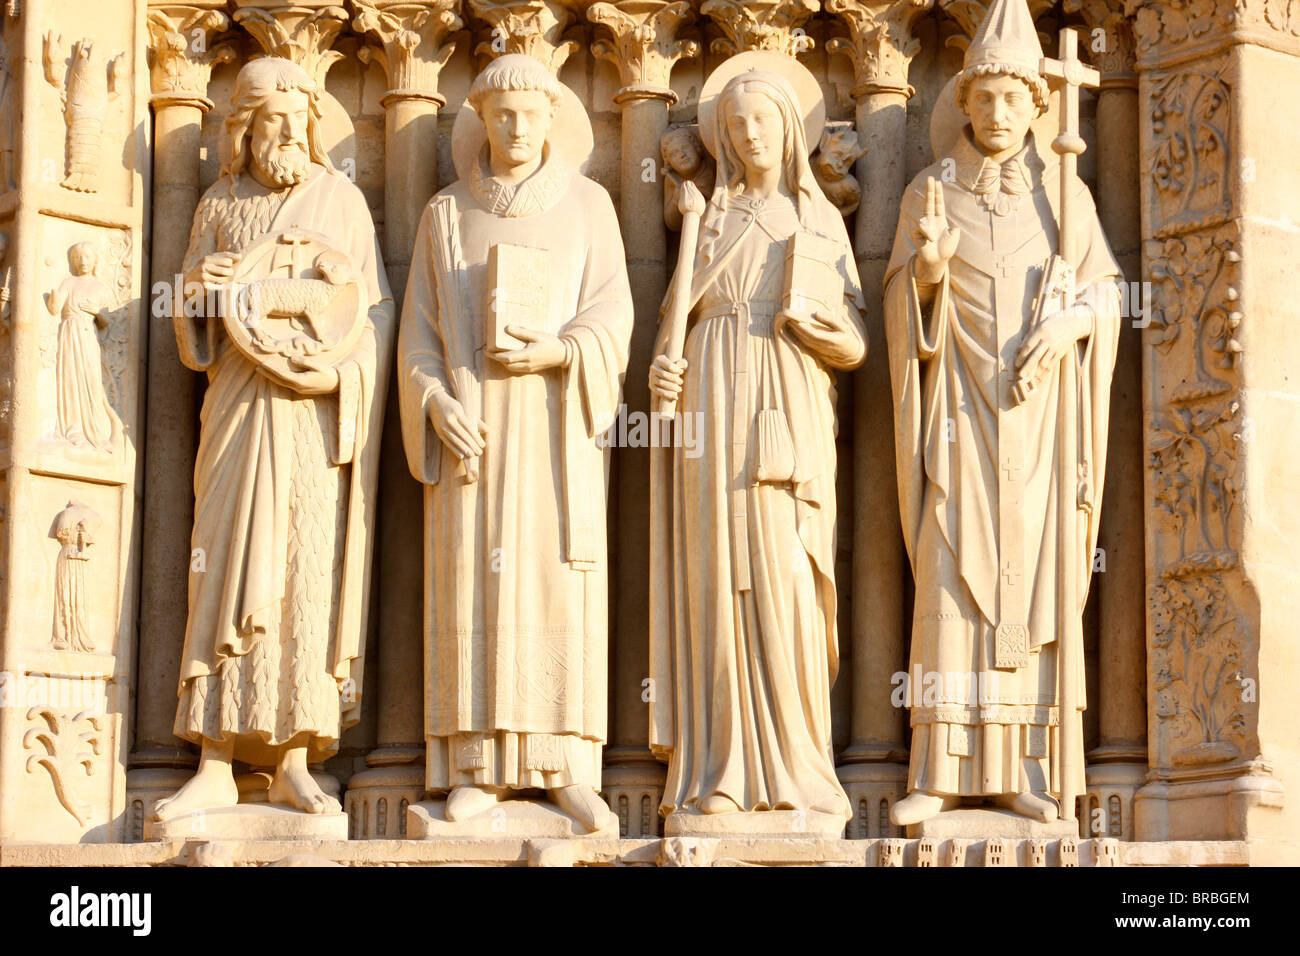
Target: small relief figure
833, 168
684, 158
85, 95
743, 632
74, 528
84, 304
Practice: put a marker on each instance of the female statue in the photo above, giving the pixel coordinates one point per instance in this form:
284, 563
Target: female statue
743, 636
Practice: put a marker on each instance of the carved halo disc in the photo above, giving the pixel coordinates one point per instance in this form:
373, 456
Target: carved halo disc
806, 87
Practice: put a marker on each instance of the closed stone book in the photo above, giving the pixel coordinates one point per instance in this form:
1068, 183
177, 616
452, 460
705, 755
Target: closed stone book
812, 283
518, 291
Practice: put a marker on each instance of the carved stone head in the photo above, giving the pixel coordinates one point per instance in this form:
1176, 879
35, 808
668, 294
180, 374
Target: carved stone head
683, 150
999, 87
516, 98
83, 257
273, 130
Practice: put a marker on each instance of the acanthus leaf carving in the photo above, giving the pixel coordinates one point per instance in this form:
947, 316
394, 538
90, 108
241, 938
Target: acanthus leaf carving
532, 27
181, 52
301, 34
880, 42
761, 25
644, 43
413, 46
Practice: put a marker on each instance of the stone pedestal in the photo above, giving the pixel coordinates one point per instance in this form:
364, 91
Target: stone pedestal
783, 824
980, 823
508, 820
250, 822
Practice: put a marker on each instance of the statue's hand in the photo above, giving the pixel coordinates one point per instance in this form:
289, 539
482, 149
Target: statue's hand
458, 431
935, 240
822, 333
1051, 340
216, 270
312, 376
666, 377
542, 351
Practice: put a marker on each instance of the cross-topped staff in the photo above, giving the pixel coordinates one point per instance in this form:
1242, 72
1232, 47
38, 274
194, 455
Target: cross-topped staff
1070, 74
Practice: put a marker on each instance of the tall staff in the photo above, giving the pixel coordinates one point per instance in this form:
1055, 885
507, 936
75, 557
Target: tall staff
1070, 74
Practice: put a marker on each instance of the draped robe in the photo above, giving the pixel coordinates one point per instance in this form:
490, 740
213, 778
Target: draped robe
284, 489
744, 657
968, 459
516, 574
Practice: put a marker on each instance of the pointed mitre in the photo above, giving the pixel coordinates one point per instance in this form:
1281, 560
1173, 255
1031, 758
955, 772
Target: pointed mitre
1006, 37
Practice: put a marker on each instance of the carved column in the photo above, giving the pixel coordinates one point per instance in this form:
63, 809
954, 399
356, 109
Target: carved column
534, 27
413, 49
182, 53
873, 768
1219, 208
644, 46
1117, 766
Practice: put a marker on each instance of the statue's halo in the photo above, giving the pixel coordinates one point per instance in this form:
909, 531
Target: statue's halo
570, 138
811, 103
947, 123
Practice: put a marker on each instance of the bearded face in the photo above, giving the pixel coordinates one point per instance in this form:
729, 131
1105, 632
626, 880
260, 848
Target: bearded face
279, 139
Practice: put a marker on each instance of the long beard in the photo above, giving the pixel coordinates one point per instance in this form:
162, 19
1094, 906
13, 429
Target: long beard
283, 165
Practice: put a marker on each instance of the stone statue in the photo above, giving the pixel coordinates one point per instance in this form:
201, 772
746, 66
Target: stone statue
744, 646
513, 344
284, 479
996, 376
684, 158
84, 304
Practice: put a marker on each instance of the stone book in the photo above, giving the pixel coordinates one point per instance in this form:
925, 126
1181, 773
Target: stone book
519, 290
812, 283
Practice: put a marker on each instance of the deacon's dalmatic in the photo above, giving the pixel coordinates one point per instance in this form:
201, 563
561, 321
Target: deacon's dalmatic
513, 344
1000, 427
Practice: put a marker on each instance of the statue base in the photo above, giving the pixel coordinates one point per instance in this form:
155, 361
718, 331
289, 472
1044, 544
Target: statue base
250, 821
509, 820
812, 824
983, 823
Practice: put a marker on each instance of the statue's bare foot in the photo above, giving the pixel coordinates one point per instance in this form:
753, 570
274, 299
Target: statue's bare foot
916, 807
583, 804
834, 805
212, 788
1035, 806
293, 786
718, 803
468, 801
